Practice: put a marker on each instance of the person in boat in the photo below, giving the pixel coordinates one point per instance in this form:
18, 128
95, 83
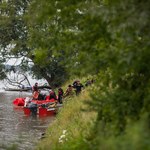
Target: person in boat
41, 96
69, 91
78, 88
52, 95
36, 95
35, 91
60, 95
35, 87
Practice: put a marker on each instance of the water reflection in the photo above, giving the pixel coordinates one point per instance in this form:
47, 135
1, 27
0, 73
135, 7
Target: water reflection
15, 127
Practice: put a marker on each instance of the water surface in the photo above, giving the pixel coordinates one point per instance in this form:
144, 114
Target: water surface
15, 127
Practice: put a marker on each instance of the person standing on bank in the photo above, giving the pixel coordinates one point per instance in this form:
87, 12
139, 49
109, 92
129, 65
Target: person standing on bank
60, 95
69, 91
78, 88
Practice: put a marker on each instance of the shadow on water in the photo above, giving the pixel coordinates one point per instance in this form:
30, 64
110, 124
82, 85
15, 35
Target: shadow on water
18, 131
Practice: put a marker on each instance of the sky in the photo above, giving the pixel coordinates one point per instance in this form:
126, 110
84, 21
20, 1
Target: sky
16, 61
3, 84
13, 61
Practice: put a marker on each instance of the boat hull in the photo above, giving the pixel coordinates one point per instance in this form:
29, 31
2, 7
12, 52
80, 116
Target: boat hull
19, 102
40, 111
37, 107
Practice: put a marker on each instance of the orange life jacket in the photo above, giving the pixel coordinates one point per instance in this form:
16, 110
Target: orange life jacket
35, 95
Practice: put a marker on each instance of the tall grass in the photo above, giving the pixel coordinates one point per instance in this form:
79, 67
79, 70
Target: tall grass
72, 125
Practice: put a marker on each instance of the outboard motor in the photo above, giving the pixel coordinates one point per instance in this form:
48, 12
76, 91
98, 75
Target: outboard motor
33, 108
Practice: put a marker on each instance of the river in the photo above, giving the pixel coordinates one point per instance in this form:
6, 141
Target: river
16, 129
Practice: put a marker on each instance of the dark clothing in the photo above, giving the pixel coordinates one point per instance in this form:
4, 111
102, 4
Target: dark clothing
75, 84
60, 95
78, 88
53, 95
41, 97
35, 88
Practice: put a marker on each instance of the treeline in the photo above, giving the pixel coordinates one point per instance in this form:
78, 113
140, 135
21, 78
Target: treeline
107, 39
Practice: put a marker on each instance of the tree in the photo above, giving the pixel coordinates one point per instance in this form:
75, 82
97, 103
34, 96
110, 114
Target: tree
122, 92
110, 38
14, 43
13, 31
13, 28
2, 72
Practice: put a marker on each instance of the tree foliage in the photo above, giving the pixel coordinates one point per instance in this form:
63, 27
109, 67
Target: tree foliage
108, 38
15, 42
13, 29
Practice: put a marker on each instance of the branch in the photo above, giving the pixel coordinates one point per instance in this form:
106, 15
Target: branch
16, 81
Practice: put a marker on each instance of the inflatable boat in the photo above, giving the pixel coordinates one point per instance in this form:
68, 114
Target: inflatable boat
37, 107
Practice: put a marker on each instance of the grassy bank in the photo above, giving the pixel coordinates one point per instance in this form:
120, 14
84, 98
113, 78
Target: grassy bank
118, 122
71, 126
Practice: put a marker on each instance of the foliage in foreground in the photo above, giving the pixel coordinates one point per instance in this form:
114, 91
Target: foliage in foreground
75, 128
136, 137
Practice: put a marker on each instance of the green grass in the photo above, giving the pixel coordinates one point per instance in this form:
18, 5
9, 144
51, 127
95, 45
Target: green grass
73, 120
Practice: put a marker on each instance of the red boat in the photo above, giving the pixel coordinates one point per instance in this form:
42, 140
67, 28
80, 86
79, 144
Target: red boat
19, 101
37, 107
